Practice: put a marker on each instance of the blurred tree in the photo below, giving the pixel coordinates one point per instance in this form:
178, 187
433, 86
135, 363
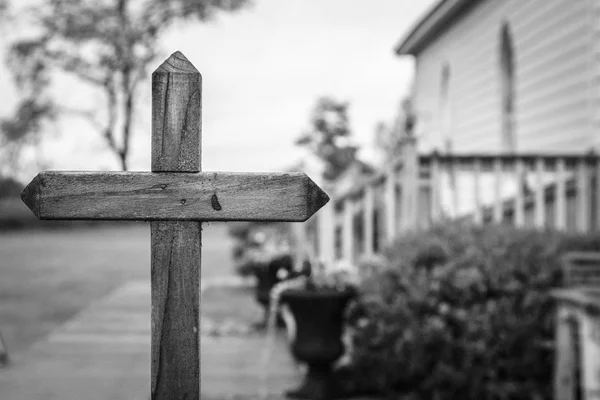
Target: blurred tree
9, 187
108, 44
388, 137
328, 137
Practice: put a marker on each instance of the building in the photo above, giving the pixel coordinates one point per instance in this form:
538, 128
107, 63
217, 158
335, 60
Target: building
507, 75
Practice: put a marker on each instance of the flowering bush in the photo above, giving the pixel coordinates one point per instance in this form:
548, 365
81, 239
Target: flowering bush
257, 246
460, 312
340, 276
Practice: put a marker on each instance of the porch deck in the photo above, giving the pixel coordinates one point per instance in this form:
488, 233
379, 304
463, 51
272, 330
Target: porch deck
104, 353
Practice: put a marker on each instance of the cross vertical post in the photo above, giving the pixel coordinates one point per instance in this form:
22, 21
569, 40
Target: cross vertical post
176, 147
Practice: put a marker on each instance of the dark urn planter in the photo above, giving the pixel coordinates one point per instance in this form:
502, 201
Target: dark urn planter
319, 316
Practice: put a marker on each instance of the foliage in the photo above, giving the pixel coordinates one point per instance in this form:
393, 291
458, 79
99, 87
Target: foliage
328, 137
341, 276
257, 244
3, 7
461, 312
239, 230
108, 45
9, 188
388, 137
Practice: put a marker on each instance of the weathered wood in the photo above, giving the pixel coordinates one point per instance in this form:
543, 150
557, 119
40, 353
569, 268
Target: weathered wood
176, 139
176, 190
215, 196
176, 116
175, 365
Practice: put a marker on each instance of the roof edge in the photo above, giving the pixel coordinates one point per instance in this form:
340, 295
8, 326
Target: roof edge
431, 25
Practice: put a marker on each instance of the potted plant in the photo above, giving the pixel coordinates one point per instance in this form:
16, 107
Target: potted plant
317, 304
268, 258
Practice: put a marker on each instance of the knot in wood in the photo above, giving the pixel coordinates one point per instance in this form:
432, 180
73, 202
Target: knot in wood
215, 202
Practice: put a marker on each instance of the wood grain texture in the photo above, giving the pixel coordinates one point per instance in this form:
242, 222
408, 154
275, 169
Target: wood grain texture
175, 310
214, 196
176, 140
176, 116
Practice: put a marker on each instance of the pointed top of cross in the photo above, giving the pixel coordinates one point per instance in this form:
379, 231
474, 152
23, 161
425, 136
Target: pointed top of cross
177, 63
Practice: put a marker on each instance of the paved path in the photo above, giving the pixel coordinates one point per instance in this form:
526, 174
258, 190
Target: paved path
104, 353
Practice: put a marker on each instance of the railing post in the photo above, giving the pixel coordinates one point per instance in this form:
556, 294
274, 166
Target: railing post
326, 227
410, 183
435, 188
301, 251
540, 194
368, 208
583, 196
519, 215
498, 206
478, 212
565, 361
390, 204
348, 230
560, 196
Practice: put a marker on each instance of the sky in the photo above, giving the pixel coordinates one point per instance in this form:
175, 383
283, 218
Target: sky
263, 69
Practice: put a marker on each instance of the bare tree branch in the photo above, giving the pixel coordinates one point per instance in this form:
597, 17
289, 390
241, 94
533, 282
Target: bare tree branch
108, 45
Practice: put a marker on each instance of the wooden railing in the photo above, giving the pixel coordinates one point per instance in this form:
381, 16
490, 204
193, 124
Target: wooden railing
559, 191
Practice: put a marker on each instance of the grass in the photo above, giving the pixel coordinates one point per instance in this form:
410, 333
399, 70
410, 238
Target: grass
47, 276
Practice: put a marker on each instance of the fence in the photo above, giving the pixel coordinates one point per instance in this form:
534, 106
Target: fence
558, 191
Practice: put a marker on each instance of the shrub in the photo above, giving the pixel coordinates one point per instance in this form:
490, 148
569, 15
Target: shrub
461, 312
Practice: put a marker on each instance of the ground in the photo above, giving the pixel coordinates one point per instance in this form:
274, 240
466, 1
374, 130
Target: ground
74, 311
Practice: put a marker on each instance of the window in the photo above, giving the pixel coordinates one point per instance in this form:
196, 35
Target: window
507, 89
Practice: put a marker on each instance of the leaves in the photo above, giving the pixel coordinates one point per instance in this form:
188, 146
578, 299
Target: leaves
389, 137
27, 119
328, 136
462, 312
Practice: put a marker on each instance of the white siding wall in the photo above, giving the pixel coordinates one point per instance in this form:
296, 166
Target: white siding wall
595, 65
557, 77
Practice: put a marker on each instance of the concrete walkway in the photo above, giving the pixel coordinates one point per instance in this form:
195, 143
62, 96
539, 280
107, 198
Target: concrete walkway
104, 353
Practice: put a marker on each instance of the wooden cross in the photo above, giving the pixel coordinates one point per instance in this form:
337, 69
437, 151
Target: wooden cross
176, 197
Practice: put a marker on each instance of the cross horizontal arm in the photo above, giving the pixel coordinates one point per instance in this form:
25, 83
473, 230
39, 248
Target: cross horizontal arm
202, 196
